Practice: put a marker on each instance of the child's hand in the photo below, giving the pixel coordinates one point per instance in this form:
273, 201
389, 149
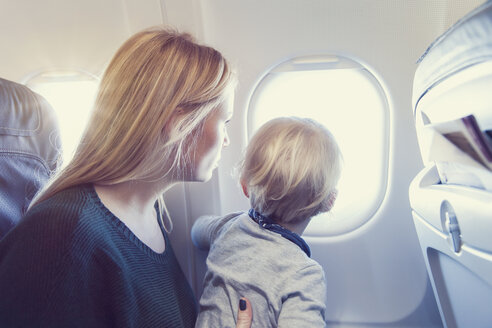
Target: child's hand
206, 228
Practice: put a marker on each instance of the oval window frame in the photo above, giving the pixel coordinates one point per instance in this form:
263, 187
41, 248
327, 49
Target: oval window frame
324, 225
59, 75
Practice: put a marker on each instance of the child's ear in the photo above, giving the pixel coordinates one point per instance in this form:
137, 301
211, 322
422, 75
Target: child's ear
328, 203
245, 188
331, 198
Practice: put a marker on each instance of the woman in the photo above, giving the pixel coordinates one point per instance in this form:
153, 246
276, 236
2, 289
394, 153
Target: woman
92, 250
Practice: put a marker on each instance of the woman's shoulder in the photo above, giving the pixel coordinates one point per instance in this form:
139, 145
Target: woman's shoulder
67, 200
49, 232
72, 203
58, 216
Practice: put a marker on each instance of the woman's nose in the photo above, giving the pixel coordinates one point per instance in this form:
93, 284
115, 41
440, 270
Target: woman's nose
227, 141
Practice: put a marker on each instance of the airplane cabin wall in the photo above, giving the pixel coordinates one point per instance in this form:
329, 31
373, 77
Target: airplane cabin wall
70, 35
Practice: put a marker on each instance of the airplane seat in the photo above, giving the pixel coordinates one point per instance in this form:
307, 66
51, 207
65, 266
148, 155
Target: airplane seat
29, 149
451, 198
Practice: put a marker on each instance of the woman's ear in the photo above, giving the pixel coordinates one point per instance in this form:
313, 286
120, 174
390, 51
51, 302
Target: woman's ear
245, 188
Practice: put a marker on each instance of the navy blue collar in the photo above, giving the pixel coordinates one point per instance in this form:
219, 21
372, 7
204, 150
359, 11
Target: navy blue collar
267, 223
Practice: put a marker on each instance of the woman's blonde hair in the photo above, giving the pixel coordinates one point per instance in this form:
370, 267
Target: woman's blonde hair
291, 168
152, 100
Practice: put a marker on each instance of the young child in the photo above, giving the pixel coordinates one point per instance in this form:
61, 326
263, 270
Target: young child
289, 173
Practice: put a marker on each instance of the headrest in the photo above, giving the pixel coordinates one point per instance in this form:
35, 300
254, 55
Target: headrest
467, 43
29, 149
28, 123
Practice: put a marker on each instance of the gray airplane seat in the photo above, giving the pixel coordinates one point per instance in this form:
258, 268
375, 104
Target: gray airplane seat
451, 197
29, 149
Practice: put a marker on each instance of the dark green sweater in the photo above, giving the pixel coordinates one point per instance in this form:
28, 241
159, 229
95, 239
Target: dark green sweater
71, 263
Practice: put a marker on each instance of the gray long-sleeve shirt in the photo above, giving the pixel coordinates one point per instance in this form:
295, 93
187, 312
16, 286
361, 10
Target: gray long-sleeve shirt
286, 288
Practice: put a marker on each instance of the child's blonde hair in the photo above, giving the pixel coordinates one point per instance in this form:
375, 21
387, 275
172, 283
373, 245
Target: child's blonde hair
291, 168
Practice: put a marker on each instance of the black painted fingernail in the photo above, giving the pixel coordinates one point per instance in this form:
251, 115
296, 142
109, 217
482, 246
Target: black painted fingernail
242, 305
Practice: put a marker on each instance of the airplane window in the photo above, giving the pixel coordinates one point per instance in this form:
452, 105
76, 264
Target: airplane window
71, 94
349, 100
